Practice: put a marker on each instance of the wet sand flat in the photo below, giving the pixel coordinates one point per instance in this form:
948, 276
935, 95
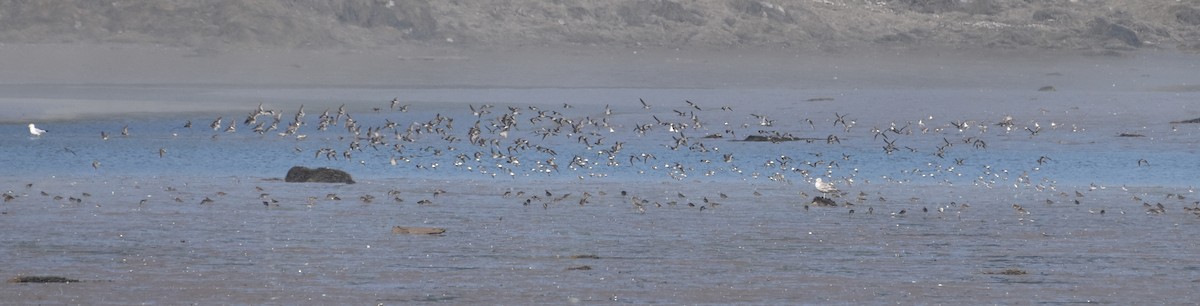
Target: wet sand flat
749, 249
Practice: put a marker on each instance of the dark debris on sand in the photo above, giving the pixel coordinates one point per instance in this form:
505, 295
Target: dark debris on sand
1007, 272
418, 230
771, 138
41, 279
1197, 120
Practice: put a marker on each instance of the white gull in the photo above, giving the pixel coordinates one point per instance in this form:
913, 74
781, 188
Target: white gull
33, 130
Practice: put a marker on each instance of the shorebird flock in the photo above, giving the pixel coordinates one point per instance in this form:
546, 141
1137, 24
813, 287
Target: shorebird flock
670, 140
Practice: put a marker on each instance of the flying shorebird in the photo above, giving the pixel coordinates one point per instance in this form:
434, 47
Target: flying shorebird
33, 130
824, 187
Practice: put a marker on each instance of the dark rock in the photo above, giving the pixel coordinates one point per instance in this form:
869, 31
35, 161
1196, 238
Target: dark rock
1130, 135
1197, 120
1186, 14
300, 174
1052, 15
577, 12
1043, 15
1105, 30
823, 201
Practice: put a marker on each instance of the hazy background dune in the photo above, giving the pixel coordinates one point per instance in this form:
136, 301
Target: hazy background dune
157, 46
829, 25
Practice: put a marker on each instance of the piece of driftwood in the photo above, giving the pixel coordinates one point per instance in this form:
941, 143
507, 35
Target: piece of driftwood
42, 279
418, 230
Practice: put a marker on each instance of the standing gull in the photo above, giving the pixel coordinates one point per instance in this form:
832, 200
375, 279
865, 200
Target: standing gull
824, 187
33, 130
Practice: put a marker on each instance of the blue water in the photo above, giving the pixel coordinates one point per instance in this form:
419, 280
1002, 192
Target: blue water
1078, 136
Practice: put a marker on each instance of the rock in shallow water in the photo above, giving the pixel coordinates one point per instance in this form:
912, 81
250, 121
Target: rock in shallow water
823, 201
300, 174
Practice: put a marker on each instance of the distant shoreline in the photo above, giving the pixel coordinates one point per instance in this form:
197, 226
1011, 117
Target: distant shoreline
56, 81
425, 66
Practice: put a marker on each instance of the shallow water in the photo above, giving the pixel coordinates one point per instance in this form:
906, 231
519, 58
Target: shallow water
708, 231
